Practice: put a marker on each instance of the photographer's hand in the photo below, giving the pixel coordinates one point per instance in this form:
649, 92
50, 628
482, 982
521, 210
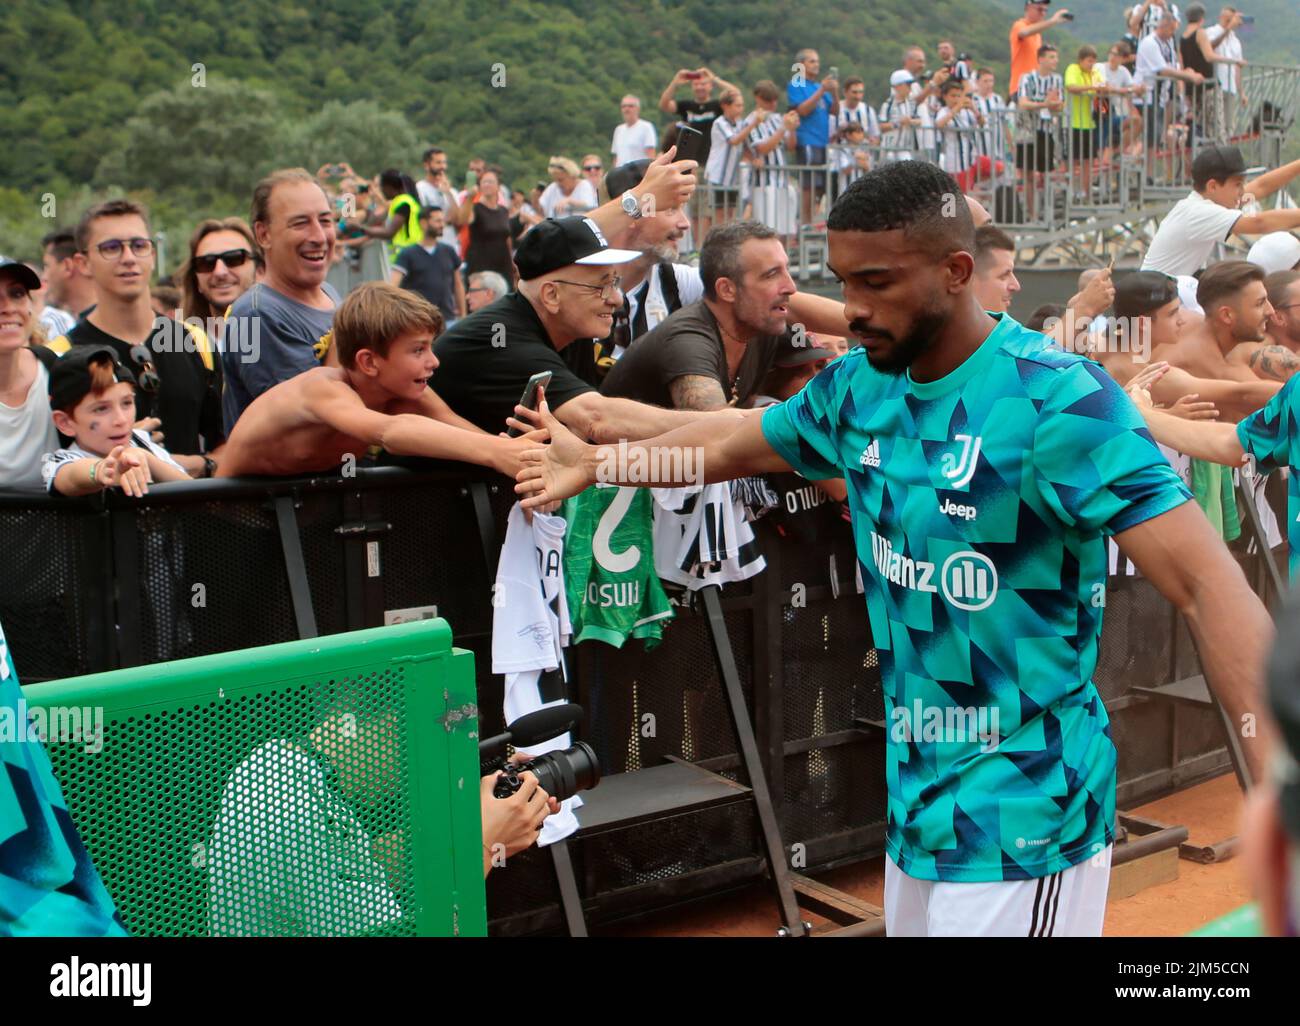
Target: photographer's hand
512, 823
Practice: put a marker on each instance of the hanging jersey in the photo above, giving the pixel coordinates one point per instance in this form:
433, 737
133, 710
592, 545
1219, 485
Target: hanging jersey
48, 885
702, 538
1272, 437
614, 593
530, 627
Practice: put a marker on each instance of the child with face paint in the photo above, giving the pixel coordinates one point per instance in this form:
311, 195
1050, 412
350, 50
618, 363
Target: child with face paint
92, 398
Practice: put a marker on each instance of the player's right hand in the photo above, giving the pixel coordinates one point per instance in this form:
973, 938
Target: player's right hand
555, 472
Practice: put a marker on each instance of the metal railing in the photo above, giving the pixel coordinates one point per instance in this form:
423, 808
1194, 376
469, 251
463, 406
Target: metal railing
1041, 176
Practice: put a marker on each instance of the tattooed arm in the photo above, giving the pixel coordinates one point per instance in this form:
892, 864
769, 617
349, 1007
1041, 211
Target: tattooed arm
1276, 363
697, 392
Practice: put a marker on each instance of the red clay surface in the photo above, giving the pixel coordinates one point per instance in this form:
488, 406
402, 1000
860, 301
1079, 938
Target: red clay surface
1210, 811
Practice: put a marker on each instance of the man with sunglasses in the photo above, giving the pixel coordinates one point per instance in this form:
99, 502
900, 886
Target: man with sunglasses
115, 245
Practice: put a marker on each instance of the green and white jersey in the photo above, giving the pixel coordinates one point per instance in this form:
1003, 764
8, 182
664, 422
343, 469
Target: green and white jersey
609, 567
979, 504
1272, 436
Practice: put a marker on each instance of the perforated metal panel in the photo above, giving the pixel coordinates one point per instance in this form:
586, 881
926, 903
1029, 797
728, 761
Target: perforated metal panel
306, 789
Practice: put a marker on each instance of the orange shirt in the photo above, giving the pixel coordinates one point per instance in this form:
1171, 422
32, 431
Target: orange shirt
1024, 53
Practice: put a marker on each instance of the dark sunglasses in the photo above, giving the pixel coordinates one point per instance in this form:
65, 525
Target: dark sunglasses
148, 377
232, 258
592, 167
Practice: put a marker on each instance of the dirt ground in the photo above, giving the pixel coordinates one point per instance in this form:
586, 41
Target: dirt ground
1210, 811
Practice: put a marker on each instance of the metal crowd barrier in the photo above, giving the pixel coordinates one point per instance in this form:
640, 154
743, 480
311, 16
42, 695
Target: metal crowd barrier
1042, 178
202, 567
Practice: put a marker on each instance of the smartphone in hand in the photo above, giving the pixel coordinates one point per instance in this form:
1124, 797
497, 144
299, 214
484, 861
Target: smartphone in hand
529, 399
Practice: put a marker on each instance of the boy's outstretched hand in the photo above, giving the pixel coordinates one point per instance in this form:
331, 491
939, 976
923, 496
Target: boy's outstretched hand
556, 471
126, 468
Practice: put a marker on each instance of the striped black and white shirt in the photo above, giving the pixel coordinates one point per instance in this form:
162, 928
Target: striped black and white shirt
724, 159
1154, 16
863, 115
771, 168
51, 462
957, 141
891, 112
1035, 87
992, 142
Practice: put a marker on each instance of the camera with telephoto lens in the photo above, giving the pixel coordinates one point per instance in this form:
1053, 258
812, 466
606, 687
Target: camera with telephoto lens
560, 774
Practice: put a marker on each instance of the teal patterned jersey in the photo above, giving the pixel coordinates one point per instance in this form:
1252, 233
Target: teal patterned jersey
1272, 437
48, 885
979, 504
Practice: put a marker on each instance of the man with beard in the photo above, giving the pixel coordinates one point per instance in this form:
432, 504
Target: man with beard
656, 285
1237, 310
1277, 355
716, 351
984, 471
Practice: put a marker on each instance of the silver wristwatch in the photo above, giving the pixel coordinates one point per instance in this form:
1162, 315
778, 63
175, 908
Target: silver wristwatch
630, 206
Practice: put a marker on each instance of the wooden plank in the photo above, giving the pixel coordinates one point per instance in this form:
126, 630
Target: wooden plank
1132, 877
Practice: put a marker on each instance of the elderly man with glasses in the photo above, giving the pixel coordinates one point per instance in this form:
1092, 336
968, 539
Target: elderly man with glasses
569, 290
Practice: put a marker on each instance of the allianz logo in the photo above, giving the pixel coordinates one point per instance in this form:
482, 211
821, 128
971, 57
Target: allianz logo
968, 580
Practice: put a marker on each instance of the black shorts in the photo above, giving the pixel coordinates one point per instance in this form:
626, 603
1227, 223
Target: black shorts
1039, 155
1083, 143
813, 156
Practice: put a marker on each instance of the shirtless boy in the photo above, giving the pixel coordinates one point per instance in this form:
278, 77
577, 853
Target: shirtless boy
378, 396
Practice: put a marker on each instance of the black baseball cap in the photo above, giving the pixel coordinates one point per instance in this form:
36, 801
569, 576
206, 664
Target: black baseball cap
626, 176
1218, 163
1143, 292
561, 242
25, 275
1284, 701
70, 378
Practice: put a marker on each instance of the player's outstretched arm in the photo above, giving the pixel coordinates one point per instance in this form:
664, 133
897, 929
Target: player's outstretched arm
412, 434
717, 448
1183, 556
1217, 443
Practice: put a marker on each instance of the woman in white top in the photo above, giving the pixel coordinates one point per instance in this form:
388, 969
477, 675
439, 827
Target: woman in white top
26, 427
569, 193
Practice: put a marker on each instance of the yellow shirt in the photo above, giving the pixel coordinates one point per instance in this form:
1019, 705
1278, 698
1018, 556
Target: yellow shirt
1081, 104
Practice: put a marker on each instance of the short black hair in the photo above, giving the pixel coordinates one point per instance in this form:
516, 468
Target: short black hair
430, 153
916, 196
951, 85
1222, 281
63, 242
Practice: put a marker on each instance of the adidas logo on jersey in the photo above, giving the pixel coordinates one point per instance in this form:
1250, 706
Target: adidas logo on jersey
968, 580
871, 455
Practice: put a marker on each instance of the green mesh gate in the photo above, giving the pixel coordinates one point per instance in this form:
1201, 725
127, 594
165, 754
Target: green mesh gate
317, 788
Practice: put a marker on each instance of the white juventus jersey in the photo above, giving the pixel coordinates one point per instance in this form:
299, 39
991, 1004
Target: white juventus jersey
701, 537
530, 628
992, 142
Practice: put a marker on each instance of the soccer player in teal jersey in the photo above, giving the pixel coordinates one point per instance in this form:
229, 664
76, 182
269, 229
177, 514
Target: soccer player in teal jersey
984, 469
1271, 436
48, 885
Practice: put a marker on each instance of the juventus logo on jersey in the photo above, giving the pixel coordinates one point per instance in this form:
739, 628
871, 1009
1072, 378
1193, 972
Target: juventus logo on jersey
960, 470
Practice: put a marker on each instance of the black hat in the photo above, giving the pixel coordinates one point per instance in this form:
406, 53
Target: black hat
1284, 699
560, 242
1143, 292
29, 278
625, 176
70, 378
1218, 163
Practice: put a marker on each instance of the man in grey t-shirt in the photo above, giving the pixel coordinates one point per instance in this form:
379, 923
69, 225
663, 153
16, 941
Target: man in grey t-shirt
276, 328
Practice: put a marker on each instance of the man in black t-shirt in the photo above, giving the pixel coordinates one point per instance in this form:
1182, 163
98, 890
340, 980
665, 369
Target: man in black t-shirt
701, 110
430, 267
568, 290
715, 352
